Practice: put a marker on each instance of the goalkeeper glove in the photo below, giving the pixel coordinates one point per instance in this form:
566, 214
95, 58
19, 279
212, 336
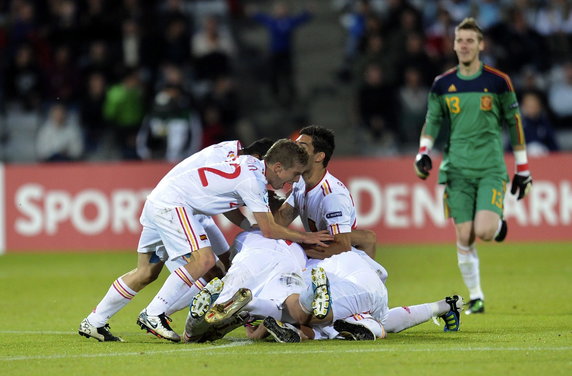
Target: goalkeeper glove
521, 183
423, 165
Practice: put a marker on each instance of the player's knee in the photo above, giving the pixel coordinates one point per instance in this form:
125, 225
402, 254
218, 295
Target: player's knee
146, 276
206, 260
485, 233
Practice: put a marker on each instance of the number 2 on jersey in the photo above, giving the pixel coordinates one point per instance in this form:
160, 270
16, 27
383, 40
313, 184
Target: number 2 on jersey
227, 175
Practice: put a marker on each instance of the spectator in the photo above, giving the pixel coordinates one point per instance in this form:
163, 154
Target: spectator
212, 38
91, 112
281, 25
174, 43
538, 132
123, 109
560, 96
23, 85
59, 138
224, 99
377, 105
97, 60
62, 78
171, 132
412, 105
213, 49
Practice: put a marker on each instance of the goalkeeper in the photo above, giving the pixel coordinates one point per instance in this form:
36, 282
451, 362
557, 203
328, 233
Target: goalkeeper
475, 99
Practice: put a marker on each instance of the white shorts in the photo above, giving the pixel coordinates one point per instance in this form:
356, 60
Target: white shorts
356, 288
175, 231
269, 274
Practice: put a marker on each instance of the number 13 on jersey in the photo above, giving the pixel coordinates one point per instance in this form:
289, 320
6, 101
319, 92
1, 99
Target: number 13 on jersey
454, 104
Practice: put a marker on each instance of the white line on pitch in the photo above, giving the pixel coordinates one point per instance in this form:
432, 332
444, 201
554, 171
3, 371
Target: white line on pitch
287, 351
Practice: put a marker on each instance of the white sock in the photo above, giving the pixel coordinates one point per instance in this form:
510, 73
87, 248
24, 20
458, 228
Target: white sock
186, 299
306, 299
176, 285
261, 308
118, 295
401, 318
469, 267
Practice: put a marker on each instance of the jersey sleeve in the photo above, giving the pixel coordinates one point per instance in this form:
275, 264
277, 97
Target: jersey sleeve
511, 114
435, 113
254, 194
337, 211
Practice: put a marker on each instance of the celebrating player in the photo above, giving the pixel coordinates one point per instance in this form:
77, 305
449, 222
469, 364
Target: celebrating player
476, 99
172, 212
150, 262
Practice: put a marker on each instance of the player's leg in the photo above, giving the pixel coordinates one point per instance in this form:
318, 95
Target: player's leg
460, 200
124, 288
181, 234
401, 318
489, 222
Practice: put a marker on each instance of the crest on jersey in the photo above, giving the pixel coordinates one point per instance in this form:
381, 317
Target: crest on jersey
486, 103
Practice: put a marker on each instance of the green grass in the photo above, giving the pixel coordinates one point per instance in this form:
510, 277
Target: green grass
527, 329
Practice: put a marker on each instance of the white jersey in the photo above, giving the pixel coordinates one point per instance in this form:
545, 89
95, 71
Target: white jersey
215, 188
326, 206
221, 152
270, 268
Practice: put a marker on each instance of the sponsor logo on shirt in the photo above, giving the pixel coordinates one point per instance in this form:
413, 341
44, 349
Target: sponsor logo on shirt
334, 214
514, 105
452, 88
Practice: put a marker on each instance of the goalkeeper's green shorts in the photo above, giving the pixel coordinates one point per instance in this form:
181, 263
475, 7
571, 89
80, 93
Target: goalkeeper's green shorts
463, 197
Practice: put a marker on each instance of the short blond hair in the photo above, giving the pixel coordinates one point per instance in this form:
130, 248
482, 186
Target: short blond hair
470, 23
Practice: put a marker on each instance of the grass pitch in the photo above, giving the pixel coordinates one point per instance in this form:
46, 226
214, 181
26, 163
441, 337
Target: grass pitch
527, 329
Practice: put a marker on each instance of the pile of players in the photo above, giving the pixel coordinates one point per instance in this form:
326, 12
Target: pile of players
318, 284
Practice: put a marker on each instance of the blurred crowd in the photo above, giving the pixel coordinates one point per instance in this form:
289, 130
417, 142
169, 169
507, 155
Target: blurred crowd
129, 79
156, 79
395, 48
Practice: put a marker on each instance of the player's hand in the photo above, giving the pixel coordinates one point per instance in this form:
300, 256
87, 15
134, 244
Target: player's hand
316, 253
318, 238
423, 165
521, 184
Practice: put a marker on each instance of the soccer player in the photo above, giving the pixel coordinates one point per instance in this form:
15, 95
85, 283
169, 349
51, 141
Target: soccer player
322, 201
151, 259
476, 100
359, 308
172, 212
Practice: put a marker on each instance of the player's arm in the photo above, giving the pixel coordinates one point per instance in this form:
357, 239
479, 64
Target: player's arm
271, 229
366, 240
285, 214
341, 243
429, 133
337, 209
236, 217
522, 179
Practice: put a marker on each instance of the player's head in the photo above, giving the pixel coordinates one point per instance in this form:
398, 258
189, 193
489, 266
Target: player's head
468, 41
285, 163
316, 139
258, 148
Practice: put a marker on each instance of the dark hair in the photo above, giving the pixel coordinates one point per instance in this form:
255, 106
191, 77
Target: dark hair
288, 153
323, 141
259, 147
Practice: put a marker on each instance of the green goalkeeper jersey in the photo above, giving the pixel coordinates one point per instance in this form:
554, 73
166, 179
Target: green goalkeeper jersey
476, 107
